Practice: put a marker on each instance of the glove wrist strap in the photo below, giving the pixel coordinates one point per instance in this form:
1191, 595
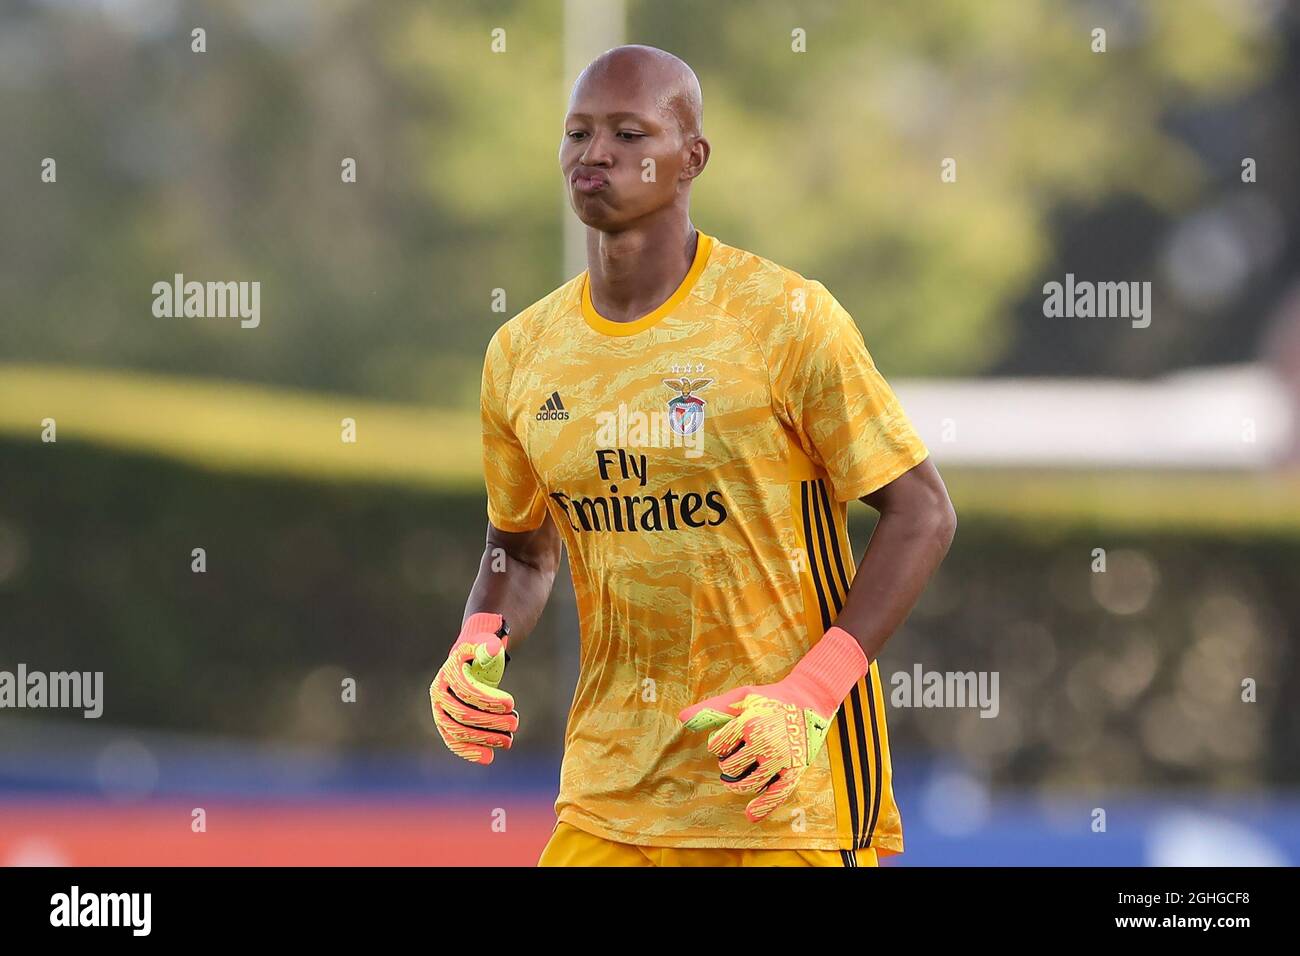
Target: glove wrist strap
482, 624
828, 672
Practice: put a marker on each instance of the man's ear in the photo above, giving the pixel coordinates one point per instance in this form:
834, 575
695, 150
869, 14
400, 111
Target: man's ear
697, 158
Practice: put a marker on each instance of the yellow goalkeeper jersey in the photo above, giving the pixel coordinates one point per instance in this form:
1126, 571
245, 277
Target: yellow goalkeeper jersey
698, 462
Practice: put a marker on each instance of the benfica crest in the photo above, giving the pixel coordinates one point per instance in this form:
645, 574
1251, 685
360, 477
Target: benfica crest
686, 411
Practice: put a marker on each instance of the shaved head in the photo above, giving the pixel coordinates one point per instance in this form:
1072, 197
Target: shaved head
676, 88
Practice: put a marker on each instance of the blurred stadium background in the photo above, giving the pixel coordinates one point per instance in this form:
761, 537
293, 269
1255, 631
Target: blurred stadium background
1172, 447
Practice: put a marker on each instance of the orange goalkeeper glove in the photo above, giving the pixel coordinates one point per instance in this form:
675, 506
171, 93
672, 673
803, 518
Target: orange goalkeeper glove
474, 717
765, 737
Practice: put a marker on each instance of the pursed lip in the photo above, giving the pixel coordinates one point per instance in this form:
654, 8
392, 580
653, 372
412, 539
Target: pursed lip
588, 182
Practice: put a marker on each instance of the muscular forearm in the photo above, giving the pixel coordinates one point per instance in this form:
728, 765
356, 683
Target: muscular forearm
515, 577
906, 548
474, 716
751, 726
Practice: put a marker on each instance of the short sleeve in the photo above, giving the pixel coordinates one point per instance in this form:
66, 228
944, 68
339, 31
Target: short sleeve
515, 501
843, 412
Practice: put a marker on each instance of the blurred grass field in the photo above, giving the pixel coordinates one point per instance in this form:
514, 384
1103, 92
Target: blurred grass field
227, 426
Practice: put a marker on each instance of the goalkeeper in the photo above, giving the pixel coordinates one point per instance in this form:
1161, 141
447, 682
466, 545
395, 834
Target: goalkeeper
729, 707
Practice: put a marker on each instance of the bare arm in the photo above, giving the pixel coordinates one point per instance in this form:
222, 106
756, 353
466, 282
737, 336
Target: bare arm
916, 526
515, 576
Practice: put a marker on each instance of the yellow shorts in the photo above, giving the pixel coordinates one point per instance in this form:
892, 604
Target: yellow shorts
570, 846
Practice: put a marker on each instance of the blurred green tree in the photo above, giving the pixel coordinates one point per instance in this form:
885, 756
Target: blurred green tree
226, 166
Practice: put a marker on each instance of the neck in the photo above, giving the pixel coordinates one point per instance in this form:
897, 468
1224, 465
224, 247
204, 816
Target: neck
633, 272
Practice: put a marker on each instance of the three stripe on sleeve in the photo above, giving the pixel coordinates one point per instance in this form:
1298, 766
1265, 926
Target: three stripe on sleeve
824, 549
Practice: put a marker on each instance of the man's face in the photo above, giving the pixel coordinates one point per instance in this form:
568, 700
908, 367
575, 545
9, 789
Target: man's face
622, 157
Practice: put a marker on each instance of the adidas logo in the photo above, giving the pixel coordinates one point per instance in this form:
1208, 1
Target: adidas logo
552, 410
